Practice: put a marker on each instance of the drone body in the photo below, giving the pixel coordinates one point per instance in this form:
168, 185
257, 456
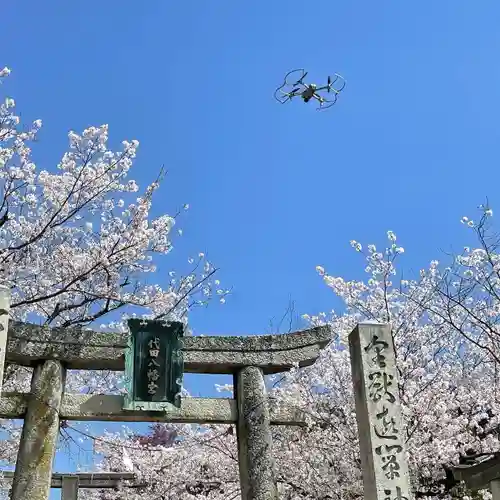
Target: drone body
308, 93
297, 88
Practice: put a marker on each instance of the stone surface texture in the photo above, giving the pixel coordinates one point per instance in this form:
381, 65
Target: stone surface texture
81, 349
495, 489
33, 473
69, 488
378, 412
256, 463
103, 407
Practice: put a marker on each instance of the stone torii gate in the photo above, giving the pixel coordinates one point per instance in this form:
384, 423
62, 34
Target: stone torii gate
53, 351
71, 483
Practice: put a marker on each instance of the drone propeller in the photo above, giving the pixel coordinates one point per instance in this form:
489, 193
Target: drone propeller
325, 103
302, 78
296, 82
329, 83
338, 77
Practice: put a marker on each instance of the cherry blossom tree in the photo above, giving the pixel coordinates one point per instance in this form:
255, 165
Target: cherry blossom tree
77, 243
79, 248
444, 327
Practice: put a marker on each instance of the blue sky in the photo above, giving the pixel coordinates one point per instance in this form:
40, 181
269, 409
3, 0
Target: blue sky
411, 146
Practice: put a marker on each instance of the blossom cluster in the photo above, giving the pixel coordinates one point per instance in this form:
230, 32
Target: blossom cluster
447, 382
80, 248
77, 243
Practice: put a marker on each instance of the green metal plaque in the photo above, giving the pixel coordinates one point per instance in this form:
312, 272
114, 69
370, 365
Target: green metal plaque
154, 365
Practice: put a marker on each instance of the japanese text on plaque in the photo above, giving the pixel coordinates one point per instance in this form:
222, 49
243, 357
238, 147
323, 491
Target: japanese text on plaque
153, 373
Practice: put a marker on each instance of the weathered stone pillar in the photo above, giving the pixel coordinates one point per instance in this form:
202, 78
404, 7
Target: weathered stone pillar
257, 474
4, 327
378, 413
69, 488
32, 478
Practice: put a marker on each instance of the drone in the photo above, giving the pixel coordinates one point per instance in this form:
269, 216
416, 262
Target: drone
297, 88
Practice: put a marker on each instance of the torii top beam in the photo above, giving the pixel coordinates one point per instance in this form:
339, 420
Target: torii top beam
28, 344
